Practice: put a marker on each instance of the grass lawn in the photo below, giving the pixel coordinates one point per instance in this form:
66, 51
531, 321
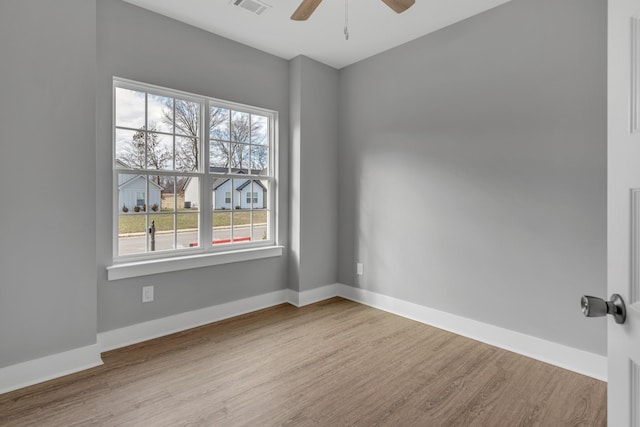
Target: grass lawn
135, 222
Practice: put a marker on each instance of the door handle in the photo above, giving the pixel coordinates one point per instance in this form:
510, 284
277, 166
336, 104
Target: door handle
597, 307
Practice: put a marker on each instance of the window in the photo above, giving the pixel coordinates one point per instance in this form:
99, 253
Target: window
182, 163
252, 198
140, 199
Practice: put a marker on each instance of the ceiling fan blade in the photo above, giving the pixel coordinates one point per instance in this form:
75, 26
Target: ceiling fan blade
304, 11
399, 6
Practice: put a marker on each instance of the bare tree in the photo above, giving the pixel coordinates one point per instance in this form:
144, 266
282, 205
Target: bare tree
145, 151
242, 130
187, 122
223, 126
134, 151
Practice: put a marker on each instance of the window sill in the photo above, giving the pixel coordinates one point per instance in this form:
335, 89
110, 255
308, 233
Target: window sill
166, 265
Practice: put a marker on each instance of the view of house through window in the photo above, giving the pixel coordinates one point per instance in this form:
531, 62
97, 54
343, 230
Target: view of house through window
167, 144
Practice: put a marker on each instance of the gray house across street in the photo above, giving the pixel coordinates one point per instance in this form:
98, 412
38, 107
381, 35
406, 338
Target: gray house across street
230, 193
132, 192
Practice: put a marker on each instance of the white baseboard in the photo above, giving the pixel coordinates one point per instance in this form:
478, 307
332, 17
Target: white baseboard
140, 332
49, 367
582, 362
300, 299
134, 334
57, 365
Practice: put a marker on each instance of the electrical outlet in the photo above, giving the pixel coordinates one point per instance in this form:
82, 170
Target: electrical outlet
147, 294
360, 269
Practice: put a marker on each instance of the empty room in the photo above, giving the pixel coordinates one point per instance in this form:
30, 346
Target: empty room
320, 213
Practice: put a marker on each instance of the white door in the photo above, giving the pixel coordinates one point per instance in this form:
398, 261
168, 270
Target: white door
623, 206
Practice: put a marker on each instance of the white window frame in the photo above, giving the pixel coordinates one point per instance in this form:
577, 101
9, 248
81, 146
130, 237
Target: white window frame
206, 253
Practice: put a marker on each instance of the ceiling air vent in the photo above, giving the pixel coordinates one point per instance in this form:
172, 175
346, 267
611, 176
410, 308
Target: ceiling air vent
255, 6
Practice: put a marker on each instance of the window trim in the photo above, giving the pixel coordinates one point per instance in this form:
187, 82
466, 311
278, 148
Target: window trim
178, 263
176, 259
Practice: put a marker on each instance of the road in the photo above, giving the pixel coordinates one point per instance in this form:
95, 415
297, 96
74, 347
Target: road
164, 241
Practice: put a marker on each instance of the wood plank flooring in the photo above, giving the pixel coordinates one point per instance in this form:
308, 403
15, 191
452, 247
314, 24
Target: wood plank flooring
334, 363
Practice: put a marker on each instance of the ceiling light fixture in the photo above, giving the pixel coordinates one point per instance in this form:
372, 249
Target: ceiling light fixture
306, 8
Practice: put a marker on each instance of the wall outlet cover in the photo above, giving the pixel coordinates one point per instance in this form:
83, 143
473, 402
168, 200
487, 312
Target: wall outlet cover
147, 294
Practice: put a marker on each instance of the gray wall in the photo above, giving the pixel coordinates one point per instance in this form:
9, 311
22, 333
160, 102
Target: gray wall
47, 134
313, 174
473, 169
140, 45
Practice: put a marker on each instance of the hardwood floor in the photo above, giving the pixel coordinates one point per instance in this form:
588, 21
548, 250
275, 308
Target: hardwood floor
334, 363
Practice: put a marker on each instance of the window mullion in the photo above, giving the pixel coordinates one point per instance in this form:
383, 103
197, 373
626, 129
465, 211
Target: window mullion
251, 206
206, 184
272, 192
115, 197
146, 166
146, 131
146, 212
175, 177
175, 230
233, 210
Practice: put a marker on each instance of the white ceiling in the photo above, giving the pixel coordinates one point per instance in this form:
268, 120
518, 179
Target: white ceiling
373, 26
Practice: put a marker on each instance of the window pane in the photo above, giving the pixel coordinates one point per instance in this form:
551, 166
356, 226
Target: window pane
261, 194
260, 210
160, 113
239, 158
259, 130
161, 197
250, 194
219, 123
159, 151
221, 196
188, 234
236, 187
241, 225
130, 149
259, 160
130, 188
187, 153
187, 120
218, 156
260, 225
132, 237
129, 108
164, 232
131, 218
188, 192
221, 227
240, 127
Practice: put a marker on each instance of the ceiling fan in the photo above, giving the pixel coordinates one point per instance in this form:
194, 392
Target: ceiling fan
306, 8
